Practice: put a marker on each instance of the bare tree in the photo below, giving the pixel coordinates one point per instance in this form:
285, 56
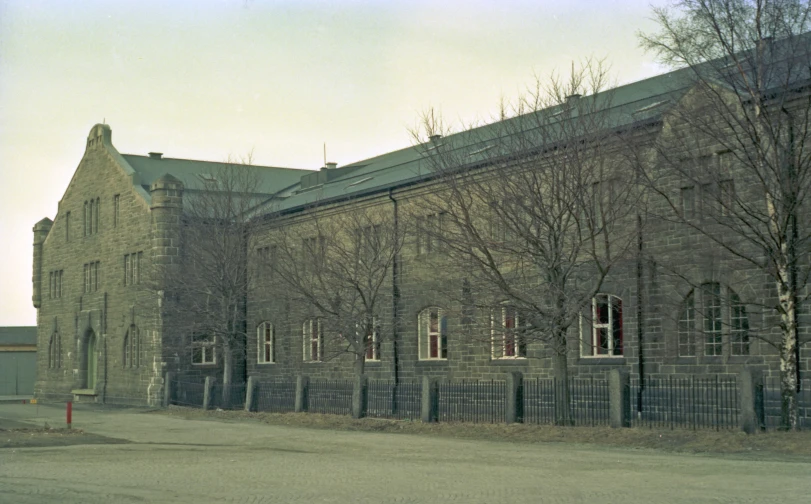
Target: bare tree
536, 210
205, 296
746, 119
338, 265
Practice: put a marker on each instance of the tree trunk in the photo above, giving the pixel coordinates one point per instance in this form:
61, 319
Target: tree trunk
359, 388
788, 358
561, 369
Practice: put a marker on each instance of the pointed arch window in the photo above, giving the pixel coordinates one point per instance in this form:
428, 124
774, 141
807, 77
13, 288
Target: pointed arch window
55, 351
132, 347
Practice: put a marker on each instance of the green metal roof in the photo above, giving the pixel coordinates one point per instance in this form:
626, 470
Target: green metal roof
271, 179
637, 102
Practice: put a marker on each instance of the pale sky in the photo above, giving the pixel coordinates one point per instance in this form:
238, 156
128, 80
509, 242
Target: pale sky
210, 79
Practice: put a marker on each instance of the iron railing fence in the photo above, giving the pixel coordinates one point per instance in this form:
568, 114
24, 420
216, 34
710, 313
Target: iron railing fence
588, 401
276, 396
330, 396
695, 403
402, 401
773, 404
187, 393
228, 397
472, 401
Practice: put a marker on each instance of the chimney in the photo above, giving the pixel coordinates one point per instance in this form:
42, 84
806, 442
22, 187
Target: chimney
155, 155
332, 166
434, 138
572, 98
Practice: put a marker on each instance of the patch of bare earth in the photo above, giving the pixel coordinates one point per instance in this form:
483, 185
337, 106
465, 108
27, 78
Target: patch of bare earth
676, 440
36, 437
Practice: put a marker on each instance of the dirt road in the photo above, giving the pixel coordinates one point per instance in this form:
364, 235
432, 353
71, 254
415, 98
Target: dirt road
199, 461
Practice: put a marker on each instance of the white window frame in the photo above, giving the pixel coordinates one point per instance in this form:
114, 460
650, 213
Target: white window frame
594, 327
373, 343
425, 334
499, 334
265, 339
208, 354
720, 321
311, 331
55, 351
687, 327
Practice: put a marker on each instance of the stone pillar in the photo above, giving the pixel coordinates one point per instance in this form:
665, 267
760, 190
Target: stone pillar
359, 397
619, 398
41, 230
750, 389
249, 393
429, 399
167, 389
302, 386
515, 399
207, 392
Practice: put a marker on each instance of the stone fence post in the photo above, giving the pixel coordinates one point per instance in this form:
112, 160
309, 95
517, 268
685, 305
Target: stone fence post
429, 399
750, 396
302, 386
207, 392
515, 400
249, 393
167, 389
619, 399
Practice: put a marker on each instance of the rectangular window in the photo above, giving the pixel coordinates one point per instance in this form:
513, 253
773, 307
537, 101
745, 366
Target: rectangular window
85, 218
606, 331
687, 328
202, 350
709, 200
371, 339
711, 300
126, 269
96, 218
433, 334
726, 193
264, 336
267, 259
313, 340
507, 341
67, 226
116, 205
313, 251
430, 229
739, 330
688, 202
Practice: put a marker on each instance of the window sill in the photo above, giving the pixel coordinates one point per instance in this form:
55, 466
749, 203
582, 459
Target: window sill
432, 362
84, 392
375, 362
509, 361
206, 364
265, 363
603, 361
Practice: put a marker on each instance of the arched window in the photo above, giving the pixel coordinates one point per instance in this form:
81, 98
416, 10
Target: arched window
265, 337
433, 334
313, 340
55, 351
718, 313
507, 340
132, 348
602, 331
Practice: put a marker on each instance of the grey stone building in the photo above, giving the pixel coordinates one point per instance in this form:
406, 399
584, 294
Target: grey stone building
678, 303
99, 328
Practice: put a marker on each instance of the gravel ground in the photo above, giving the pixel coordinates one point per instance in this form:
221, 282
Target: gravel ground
168, 458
